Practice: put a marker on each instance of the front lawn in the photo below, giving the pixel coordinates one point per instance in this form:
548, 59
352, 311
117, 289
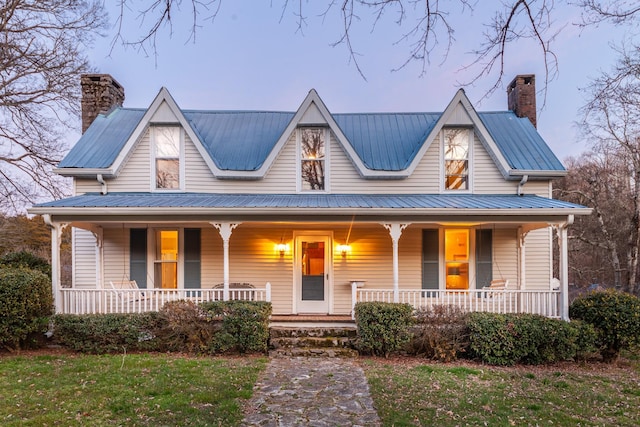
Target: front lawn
133, 389
410, 392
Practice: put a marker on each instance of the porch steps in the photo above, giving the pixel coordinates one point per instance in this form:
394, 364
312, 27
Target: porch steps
312, 341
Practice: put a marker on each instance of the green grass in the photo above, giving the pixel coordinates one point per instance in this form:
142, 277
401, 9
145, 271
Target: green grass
414, 393
114, 390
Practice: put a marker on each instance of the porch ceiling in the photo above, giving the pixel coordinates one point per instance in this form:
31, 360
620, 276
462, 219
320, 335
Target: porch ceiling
319, 206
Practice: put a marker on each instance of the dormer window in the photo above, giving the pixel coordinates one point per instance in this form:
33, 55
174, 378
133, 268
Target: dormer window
167, 143
457, 144
313, 157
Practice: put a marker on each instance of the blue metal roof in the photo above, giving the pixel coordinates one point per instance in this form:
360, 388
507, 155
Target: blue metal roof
310, 201
519, 141
242, 140
104, 139
238, 140
387, 141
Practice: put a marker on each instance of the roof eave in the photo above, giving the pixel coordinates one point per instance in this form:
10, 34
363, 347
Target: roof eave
84, 172
547, 174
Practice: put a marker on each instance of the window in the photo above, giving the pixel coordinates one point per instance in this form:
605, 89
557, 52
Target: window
456, 159
166, 260
167, 157
312, 159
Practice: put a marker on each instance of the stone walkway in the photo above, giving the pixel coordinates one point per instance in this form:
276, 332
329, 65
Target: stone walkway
300, 391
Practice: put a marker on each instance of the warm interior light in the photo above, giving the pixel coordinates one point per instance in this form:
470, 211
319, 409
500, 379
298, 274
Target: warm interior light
344, 249
453, 271
282, 248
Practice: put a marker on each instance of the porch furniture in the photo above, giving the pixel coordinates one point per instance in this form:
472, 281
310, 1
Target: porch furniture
239, 291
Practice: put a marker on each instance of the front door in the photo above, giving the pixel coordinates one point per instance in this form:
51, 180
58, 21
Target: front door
312, 273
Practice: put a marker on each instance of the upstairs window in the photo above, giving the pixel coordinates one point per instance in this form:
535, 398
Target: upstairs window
456, 158
312, 159
167, 157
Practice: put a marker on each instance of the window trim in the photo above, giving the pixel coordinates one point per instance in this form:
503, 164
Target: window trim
299, 159
181, 159
443, 170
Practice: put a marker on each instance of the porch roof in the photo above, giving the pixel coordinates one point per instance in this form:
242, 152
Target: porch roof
455, 204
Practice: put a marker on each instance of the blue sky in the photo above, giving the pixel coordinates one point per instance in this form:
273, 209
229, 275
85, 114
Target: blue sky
251, 58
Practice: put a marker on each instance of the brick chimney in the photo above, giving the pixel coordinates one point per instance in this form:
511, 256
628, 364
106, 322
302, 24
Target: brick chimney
100, 93
521, 97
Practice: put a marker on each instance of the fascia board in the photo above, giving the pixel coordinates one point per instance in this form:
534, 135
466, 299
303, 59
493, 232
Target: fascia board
84, 172
519, 173
250, 211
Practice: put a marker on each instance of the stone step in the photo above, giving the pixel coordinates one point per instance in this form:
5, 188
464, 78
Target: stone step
318, 342
313, 352
316, 332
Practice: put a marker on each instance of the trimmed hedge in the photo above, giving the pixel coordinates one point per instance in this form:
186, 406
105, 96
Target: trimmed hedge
383, 328
245, 325
181, 326
108, 333
507, 339
616, 317
26, 302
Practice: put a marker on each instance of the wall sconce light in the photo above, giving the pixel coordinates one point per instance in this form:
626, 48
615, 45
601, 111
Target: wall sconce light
344, 249
453, 271
282, 248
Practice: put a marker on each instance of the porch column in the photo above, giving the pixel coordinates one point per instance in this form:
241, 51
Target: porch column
98, 234
395, 231
56, 239
225, 229
522, 252
561, 231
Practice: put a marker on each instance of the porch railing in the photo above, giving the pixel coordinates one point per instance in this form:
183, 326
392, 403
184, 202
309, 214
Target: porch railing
93, 301
545, 303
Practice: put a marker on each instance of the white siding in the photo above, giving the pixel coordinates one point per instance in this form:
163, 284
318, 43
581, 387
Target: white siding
538, 255
136, 172
505, 255
84, 259
116, 254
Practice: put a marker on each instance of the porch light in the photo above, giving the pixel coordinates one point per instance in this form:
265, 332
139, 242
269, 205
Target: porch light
344, 249
453, 271
282, 248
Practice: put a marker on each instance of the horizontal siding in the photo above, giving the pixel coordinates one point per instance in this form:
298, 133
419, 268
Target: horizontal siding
135, 173
487, 178
84, 259
538, 257
84, 185
505, 255
116, 254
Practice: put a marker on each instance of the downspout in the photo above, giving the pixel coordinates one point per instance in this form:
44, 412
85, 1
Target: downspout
521, 184
104, 190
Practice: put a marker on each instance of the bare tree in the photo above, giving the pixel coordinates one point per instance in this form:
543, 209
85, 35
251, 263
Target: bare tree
426, 26
41, 57
612, 123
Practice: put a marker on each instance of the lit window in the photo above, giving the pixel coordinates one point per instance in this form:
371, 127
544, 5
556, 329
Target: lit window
312, 159
456, 159
166, 261
167, 157
456, 254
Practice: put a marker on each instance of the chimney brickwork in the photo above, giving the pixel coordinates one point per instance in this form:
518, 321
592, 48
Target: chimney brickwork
100, 94
521, 97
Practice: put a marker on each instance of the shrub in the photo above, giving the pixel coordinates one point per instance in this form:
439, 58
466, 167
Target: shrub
108, 333
186, 326
616, 317
26, 302
27, 260
440, 333
383, 328
507, 339
244, 325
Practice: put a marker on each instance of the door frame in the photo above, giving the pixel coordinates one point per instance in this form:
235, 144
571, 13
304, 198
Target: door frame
299, 306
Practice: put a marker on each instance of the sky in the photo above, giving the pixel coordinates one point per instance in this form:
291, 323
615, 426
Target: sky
253, 56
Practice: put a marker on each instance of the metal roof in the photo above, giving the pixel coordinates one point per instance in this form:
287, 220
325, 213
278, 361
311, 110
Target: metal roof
242, 140
312, 201
387, 141
519, 141
104, 139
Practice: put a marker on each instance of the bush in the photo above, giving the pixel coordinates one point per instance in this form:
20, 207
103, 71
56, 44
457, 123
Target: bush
244, 327
440, 333
26, 302
383, 328
616, 318
108, 333
27, 260
186, 326
507, 339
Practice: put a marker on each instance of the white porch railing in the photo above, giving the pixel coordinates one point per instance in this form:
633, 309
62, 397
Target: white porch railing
93, 301
545, 303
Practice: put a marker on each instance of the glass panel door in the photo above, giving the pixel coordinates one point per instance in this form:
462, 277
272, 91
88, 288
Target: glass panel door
166, 262
312, 273
456, 254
